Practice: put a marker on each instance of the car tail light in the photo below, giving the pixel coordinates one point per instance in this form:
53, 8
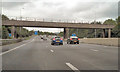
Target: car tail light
78, 38
61, 39
53, 38
70, 38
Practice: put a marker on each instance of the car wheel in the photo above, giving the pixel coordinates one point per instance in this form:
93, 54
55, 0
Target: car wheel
67, 42
70, 42
77, 42
52, 44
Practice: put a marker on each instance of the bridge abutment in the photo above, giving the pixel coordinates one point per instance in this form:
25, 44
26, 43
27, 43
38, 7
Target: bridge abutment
66, 33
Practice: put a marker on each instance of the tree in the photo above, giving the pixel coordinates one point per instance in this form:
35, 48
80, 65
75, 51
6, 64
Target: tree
61, 34
4, 17
116, 29
110, 22
5, 33
96, 22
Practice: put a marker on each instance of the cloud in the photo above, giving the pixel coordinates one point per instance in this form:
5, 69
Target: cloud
9, 5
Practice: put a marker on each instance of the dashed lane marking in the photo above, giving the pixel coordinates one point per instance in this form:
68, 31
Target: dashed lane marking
52, 50
94, 50
72, 67
105, 46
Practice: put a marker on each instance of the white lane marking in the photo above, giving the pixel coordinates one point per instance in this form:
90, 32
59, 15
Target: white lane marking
52, 50
72, 67
14, 48
105, 46
94, 50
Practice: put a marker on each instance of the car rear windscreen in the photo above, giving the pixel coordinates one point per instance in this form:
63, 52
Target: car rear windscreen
57, 38
74, 38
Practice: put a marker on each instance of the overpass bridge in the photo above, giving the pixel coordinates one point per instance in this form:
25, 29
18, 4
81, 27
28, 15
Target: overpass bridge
65, 25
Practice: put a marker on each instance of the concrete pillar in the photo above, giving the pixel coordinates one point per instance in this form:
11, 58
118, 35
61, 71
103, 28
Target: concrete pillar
103, 33
109, 33
95, 33
66, 33
13, 31
20, 32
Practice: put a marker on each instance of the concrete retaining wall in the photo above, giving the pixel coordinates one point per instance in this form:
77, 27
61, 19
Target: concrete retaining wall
101, 41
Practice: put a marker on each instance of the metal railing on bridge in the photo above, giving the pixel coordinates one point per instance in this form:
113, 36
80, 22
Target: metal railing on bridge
46, 19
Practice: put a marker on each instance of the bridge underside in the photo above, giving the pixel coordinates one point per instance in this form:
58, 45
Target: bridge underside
66, 26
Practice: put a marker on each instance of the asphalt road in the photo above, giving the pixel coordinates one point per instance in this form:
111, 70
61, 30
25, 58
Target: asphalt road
36, 54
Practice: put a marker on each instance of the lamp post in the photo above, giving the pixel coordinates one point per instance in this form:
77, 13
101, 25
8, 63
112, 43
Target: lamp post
21, 19
21, 13
95, 23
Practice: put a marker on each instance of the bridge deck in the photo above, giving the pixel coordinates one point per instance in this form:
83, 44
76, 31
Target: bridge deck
53, 24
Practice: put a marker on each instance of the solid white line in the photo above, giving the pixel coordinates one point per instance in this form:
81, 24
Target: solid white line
52, 50
94, 50
14, 48
72, 67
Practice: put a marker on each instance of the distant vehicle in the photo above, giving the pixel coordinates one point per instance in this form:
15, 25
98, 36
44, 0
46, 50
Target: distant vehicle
44, 37
57, 40
73, 40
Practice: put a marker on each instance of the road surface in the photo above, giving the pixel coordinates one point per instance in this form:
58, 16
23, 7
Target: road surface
36, 54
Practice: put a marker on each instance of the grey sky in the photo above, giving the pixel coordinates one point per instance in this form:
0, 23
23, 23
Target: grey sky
79, 10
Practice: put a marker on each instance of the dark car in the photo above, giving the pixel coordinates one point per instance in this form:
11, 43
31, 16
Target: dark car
73, 40
57, 40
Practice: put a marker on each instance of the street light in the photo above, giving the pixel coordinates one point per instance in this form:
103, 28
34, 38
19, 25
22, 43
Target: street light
21, 19
95, 23
21, 13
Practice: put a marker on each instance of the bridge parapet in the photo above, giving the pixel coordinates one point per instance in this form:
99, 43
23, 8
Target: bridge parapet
46, 19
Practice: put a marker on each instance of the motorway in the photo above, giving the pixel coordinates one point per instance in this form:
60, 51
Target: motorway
36, 54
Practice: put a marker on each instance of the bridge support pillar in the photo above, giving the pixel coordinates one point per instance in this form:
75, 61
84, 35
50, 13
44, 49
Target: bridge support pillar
13, 31
109, 33
103, 33
66, 33
20, 32
95, 33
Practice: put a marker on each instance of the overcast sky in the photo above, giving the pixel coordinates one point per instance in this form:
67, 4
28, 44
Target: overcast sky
65, 10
